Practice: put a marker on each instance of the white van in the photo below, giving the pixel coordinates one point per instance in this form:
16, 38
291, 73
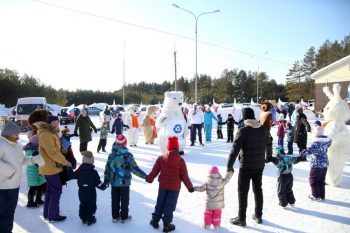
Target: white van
25, 106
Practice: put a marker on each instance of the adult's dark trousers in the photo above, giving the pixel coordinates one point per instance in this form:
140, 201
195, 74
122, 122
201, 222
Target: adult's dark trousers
219, 133
301, 145
87, 209
194, 128
285, 189
102, 144
166, 205
244, 177
317, 182
52, 197
120, 202
290, 147
83, 146
8, 203
229, 135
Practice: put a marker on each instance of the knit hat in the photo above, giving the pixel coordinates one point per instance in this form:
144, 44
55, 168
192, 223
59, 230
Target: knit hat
88, 157
317, 123
10, 128
51, 118
214, 170
121, 140
34, 140
318, 131
248, 113
173, 143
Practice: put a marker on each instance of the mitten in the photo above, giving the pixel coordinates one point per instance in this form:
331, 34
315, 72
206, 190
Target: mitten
191, 190
38, 160
95, 130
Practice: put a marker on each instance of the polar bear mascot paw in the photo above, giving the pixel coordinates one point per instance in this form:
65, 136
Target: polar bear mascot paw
171, 121
133, 123
148, 124
336, 113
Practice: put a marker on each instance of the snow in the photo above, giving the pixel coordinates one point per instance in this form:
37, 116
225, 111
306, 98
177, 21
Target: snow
331, 215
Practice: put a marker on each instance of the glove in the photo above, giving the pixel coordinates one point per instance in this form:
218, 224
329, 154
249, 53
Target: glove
230, 169
275, 161
69, 164
38, 160
103, 186
95, 130
191, 190
76, 135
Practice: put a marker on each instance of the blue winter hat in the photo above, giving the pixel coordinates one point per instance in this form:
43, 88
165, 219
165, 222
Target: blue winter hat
318, 123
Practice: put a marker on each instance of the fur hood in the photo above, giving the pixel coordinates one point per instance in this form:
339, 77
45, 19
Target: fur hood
252, 123
45, 126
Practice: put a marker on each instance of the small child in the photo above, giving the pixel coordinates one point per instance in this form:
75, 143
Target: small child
281, 130
66, 146
118, 125
290, 137
219, 128
319, 163
119, 166
214, 188
35, 181
230, 127
284, 166
104, 130
88, 180
173, 170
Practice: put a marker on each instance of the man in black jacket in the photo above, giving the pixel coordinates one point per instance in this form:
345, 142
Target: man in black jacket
250, 145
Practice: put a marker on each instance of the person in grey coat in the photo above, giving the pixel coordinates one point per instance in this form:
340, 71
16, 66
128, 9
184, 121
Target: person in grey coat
84, 125
215, 201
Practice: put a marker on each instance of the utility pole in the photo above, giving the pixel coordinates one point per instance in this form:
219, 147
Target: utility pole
175, 71
124, 76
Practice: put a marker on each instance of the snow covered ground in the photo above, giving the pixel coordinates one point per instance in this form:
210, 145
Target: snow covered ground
331, 215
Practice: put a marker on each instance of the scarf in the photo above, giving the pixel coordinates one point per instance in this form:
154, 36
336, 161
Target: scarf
152, 122
135, 122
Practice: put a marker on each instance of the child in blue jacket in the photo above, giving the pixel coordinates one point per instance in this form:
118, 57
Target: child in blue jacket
120, 165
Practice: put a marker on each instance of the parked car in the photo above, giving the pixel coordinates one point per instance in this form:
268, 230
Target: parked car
93, 111
66, 118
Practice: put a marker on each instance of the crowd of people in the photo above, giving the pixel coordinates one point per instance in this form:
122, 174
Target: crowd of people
50, 163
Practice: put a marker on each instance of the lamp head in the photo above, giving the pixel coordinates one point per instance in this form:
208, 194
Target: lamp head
174, 5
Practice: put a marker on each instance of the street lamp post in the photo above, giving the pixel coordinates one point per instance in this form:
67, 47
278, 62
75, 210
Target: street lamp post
196, 19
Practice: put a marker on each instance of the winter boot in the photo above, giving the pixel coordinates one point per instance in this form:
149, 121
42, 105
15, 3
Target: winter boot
31, 203
258, 220
238, 221
168, 227
154, 224
38, 200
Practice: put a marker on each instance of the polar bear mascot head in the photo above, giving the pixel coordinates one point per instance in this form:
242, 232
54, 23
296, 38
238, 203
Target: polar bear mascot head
173, 100
336, 113
134, 110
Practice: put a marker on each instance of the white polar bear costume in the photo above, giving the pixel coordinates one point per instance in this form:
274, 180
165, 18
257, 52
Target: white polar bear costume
336, 113
132, 121
171, 121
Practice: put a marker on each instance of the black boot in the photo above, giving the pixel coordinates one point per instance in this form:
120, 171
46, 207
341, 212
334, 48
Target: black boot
238, 221
38, 200
31, 203
154, 224
168, 227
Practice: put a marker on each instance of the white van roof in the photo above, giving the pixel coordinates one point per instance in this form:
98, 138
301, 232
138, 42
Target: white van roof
31, 100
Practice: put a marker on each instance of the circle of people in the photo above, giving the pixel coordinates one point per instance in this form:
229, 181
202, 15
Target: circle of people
51, 163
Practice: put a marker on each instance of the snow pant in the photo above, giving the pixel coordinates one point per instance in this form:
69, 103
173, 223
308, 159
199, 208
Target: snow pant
244, 177
284, 189
317, 182
120, 202
83, 146
208, 129
212, 217
280, 141
230, 135
290, 147
194, 128
219, 133
36, 191
87, 208
52, 197
102, 144
8, 203
166, 205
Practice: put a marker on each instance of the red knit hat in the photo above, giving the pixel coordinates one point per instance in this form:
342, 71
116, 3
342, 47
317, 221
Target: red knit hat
121, 140
213, 170
173, 143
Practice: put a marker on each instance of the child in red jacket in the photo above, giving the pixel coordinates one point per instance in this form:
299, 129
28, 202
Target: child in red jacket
173, 170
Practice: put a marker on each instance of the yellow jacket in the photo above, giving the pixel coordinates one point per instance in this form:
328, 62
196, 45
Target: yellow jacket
50, 150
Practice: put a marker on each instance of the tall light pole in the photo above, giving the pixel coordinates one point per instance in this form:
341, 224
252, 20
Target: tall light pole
196, 18
257, 77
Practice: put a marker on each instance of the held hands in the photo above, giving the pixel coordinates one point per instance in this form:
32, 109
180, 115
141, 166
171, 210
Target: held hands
95, 130
38, 160
191, 190
102, 186
230, 169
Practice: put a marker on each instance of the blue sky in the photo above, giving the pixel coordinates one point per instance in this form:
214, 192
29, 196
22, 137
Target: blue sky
58, 45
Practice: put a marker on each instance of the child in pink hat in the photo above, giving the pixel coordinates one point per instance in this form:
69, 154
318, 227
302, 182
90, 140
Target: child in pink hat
215, 201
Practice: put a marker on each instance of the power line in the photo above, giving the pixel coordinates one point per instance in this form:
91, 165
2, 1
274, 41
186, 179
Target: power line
160, 31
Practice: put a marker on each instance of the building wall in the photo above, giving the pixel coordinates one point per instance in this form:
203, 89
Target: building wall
321, 99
